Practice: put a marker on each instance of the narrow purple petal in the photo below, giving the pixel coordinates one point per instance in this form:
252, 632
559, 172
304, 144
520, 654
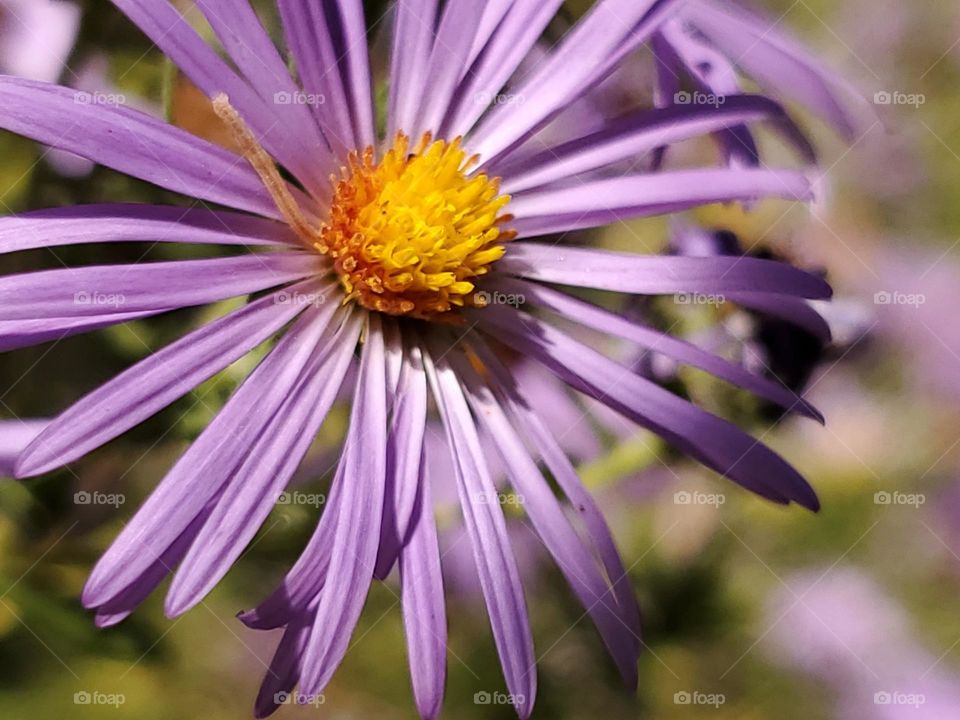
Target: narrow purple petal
284, 670
688, 353
410, 52
606, 200
199, 475
496, 565
257, 482
631, 137
424, 608
15, 334
81, 224
657, 275
794, 310
714, 442
15, 435
404, 445
173, 34
555, 530
357, 534
153, 383
147, 287
355, 60
131, 142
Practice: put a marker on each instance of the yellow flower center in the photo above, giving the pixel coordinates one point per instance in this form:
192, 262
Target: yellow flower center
409, 234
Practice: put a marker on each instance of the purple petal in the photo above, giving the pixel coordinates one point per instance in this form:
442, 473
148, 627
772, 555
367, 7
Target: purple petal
173, 34
556, 532
357, 533
410, 52
355, 61
496, 565
517, 33
15, 435
284, 670
714, 442
779, 64
687, 353
794, 310
82, 224
239, 30
630, 138
404, 444
599, 41
147, 287
16, 334
258, 481
155, 382
516, 401
131, 142
657, 275
424, 609
199, 475
593, 203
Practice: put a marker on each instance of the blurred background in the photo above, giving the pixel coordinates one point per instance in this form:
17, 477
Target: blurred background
751, 610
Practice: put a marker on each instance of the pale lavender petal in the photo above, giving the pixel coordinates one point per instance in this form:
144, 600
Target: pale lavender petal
555, 530
657, 275
412, 42
357, 533
239, 30
122, 605
716, 443
631, 137
510, 44
779, 63
448, 57
153, 383
680, 350
80, 224
201, 472
794, 310
147, 287
257, 482
284, 670
15, 436
355, 60
600, 202
131, 142
516, 400
424, 609
173, 34
599, 41
308, 33
496, 565
404, 444
15, 334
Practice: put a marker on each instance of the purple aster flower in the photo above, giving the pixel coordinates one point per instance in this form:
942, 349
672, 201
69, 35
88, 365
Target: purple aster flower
409, 262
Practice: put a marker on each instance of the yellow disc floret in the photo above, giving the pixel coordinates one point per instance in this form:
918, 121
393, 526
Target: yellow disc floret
409, 234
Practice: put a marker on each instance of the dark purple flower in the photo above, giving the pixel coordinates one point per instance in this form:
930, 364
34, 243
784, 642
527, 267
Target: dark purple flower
407, 260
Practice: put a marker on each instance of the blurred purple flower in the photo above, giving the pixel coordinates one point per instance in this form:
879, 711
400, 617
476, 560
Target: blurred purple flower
405, 258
